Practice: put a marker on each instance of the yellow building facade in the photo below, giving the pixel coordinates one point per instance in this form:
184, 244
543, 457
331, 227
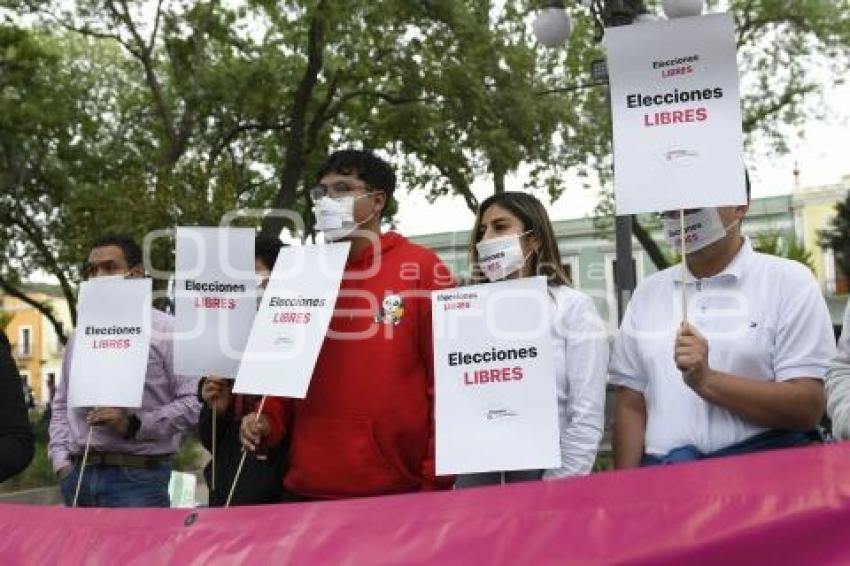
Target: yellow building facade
814, 210
36, 347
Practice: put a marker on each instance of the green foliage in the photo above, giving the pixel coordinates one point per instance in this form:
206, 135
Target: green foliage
776, 243
40, 472
190, 455
132, 116
604, 461
5, 319
837, 236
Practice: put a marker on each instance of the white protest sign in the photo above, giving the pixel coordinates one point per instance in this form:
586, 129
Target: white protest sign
677, 115
215, 299
496, 401
292, 321
109, 360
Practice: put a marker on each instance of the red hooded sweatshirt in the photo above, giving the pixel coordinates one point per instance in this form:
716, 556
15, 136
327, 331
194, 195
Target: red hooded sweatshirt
366, 425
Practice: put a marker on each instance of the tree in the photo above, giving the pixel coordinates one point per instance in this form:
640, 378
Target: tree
143, 115
774, 242
789, 52
452, 90
102, 144
39, 128
837, 236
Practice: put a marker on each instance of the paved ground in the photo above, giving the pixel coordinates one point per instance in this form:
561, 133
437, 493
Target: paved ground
38, 496
51, 495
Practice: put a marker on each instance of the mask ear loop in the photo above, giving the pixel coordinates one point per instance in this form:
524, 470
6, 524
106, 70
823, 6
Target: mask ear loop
371, 216
731, 225
531, 253
525, 258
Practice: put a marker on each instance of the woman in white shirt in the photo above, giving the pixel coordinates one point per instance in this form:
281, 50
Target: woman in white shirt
512, 238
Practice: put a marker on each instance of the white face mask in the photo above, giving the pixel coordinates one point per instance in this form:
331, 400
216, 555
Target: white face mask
335, 217
702, 228
500, 257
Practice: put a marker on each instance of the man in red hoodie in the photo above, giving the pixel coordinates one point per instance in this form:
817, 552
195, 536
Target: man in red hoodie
366, 425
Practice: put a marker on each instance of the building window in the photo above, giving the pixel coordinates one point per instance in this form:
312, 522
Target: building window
837, 283
25, 341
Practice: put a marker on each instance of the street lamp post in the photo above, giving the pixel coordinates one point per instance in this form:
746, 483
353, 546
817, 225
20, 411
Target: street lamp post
552, 28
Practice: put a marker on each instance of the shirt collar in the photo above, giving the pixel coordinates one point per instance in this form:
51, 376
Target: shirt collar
733, 270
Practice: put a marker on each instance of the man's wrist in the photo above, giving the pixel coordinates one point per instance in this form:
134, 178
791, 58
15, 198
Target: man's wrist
703, 385
133, 426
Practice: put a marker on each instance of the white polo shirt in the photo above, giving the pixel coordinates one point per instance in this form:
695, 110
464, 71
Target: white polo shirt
764, 318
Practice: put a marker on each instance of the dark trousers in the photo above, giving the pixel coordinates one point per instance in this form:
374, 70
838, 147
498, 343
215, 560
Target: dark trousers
119, 486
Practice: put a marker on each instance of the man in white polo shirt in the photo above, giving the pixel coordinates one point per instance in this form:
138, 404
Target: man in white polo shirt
744, 374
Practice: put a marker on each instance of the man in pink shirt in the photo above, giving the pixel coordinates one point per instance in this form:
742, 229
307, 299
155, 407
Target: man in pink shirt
132, 450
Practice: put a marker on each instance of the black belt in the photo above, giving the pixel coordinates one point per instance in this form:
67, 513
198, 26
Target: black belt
122, 460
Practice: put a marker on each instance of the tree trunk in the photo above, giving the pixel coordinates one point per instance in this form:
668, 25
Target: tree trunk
294, 157
649, 246
498, 180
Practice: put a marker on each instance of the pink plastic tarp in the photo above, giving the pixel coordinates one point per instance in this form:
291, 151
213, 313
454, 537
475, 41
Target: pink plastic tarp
784, 507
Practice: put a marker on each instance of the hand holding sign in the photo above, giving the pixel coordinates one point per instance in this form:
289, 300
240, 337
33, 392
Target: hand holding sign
691, 355
215, 392
252, 430
109, 360
113, 417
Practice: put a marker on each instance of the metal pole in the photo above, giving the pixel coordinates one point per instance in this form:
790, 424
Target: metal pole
625, 278
624, 272
617, 13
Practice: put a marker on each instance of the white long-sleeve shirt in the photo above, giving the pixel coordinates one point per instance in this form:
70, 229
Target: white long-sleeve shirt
838, 384
580, 352
580, 349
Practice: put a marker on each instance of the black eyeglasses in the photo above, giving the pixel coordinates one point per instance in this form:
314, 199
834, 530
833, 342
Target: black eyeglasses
337, 190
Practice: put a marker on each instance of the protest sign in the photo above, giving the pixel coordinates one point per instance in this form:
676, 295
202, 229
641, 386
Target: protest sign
111, 344
215, 299
496, 403
677, 115
293, 319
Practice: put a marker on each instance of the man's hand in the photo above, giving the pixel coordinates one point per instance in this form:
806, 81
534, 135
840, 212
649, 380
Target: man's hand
111, 417
216, 394
64, 471
253, 430
691, 356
